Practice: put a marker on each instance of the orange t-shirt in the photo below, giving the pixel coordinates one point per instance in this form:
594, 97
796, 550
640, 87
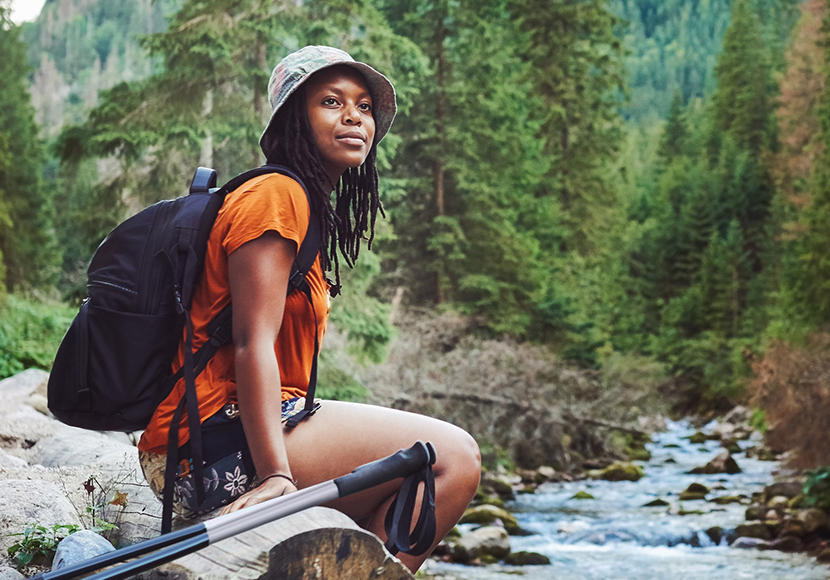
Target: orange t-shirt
271, 202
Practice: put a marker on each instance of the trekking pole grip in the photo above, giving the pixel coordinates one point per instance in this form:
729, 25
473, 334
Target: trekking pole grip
401, 464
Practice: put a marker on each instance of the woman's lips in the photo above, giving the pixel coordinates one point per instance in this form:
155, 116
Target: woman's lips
352, 138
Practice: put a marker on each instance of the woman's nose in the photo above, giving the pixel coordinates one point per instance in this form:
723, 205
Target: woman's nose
351, 115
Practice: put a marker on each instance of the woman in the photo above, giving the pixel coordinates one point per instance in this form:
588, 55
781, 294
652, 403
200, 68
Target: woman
328, 115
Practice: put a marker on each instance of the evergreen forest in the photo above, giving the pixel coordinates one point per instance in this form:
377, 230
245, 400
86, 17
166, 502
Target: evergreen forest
643, 181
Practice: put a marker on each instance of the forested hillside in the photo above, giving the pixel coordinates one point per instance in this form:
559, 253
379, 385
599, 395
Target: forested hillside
627, 182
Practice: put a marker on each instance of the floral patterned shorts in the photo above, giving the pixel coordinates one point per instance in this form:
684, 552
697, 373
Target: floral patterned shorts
228, 468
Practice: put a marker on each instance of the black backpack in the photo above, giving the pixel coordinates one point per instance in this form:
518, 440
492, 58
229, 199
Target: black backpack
113, 367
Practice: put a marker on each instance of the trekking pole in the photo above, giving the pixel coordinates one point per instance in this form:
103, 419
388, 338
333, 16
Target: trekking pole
169, 547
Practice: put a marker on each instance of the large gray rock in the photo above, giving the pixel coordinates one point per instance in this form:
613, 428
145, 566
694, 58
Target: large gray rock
24, 502
14, 391
10, 574
8, 461
487, 541
72, 446
78, 547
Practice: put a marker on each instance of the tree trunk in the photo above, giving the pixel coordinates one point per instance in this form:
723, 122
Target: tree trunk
318, 543
440, 105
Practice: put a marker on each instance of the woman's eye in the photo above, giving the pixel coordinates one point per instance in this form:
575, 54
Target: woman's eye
365, 106
330, 101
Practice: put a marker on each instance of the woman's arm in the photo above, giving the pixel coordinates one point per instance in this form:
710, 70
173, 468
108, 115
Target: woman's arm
258, 272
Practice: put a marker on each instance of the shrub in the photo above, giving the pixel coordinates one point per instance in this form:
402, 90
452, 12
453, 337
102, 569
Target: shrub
792, 387
30, 332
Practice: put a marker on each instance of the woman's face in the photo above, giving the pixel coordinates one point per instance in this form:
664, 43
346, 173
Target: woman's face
340, 113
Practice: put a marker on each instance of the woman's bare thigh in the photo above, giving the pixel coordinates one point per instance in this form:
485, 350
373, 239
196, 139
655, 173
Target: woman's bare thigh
341, 436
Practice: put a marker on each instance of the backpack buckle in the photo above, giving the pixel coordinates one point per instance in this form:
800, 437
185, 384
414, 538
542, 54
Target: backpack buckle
296, 280
222, 335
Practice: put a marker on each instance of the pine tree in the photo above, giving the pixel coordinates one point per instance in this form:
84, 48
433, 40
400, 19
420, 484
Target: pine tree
30, 255
673, 142
577, 70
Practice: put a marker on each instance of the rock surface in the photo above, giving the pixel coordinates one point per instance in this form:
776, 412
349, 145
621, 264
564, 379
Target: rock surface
487, 541
723, 463
619, 472
78, 547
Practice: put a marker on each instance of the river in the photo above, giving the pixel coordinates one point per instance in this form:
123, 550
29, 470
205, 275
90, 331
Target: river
614, 537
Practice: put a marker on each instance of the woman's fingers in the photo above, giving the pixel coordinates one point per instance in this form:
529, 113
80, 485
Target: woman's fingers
270, 489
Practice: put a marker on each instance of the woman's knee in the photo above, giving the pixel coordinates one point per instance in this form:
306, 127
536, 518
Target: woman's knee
459, 459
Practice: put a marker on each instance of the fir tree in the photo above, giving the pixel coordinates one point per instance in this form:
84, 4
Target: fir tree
30, 255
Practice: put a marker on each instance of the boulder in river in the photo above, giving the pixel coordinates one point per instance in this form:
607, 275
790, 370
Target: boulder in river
715, 534
657, 503
487, 514
697, 438
527, 559
619, 471
754, 530
787, 544
723, 463
582, 494
487, 541
495, 485
727, 499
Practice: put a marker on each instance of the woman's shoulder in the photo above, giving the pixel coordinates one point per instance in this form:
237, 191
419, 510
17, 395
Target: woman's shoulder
268, 202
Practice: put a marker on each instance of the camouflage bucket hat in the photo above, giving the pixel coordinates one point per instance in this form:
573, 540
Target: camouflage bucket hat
297, 67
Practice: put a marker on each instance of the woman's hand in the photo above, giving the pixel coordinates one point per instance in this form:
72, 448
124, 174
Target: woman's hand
271, 488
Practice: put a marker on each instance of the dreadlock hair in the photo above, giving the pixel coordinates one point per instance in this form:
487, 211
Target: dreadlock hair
289, 142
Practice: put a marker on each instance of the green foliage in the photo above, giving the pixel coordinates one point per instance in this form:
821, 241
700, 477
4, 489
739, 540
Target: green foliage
38, 544
337, 385
30, 332
27, 244
817, 488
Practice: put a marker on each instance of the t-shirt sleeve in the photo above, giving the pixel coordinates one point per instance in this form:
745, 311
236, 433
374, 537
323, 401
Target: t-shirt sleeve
272, 203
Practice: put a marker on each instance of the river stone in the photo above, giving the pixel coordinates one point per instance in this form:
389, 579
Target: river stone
787, 544
488, 514
824, 556
619, 472
745, 543
657, 503
761, 452
690, 496
754, 513
697, 439
498, 486
696, 488
788, 489
793, 527
731, 445
545, 473
778, 503
723, 463
527, 559
715, 534
797, 502
80, 546
487, 541
772, 516
814, 519
754, 530
581, 494
24, 502
7, 573
726, 499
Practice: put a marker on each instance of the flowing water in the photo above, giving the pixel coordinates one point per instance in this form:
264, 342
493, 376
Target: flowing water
614, 538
